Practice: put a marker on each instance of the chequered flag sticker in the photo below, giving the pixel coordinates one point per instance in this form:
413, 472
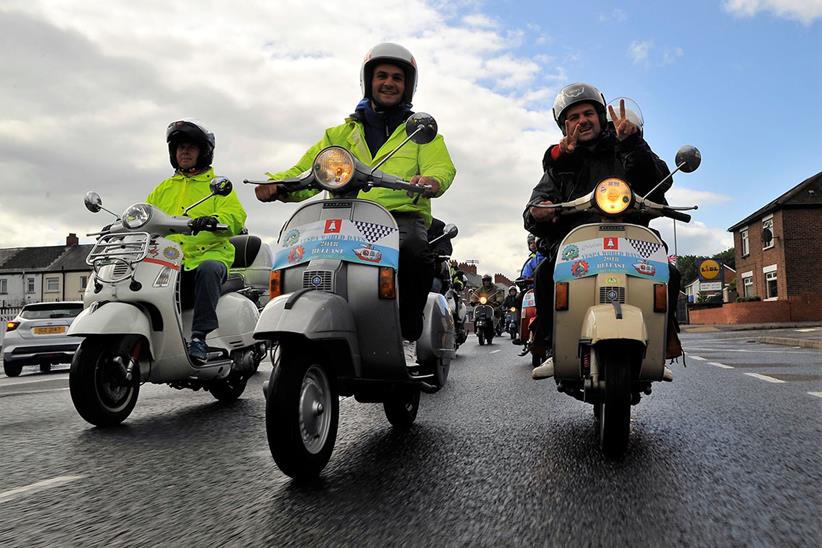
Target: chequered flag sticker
645, 249
373, 232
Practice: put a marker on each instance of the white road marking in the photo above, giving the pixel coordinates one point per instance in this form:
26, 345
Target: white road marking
698, 358
700, 349
12, 494
807, 329
722, 365
32, 391
817, 394
37, 381
764, 377
494, 351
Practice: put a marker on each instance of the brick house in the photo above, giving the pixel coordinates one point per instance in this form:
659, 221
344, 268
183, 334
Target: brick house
779, 258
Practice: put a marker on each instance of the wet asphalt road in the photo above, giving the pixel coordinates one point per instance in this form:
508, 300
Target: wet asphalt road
718, 457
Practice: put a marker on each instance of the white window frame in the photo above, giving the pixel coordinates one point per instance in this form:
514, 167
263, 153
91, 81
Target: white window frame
767, 222
744, 242
770, 273
4, 287
55, 282
31, 286
83, 282
747, 282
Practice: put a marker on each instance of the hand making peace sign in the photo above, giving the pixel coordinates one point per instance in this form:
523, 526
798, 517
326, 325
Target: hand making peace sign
624, 127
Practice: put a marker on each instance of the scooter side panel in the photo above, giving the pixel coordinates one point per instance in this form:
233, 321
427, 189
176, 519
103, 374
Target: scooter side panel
438, 332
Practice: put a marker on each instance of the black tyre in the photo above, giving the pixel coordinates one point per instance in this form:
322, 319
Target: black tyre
12, 369
536, 361
98, 387
401, 407
481, 337
228, 389
301, 413
615, 413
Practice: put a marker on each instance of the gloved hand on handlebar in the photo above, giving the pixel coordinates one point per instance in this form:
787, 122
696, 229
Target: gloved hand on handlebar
426, 181
203, 223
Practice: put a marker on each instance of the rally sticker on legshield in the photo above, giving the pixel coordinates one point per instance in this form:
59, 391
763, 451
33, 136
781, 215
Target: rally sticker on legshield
639, 258
339, 239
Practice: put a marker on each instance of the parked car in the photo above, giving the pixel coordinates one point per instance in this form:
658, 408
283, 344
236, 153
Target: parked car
37, 336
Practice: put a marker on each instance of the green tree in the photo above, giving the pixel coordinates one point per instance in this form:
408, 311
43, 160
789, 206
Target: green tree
727, 257
686, 264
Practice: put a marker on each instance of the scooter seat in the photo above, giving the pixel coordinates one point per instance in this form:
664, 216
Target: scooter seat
246, 248
234, 282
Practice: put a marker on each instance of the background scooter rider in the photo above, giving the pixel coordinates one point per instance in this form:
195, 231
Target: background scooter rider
388, 78
589, 151
535, 257
491, 292
207, 255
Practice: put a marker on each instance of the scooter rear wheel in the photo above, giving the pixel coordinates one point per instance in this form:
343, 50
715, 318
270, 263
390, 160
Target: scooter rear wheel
402, 406
301, 413
100, 393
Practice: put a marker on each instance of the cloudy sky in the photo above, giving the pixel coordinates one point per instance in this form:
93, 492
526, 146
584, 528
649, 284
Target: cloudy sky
89, 87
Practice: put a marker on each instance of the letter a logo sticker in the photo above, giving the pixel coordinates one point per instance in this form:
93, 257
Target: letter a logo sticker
610, 244
332, 226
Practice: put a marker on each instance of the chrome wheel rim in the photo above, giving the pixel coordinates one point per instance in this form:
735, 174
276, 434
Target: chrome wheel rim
315, 409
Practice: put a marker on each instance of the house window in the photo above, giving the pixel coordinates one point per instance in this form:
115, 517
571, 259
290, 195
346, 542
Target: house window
743, 236
83, 282
767, 232
747, 286
4, 287
52, 284
29, 285
770, 285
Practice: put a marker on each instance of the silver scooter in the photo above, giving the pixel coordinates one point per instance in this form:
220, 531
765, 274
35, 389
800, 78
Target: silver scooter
134, 328
336, 319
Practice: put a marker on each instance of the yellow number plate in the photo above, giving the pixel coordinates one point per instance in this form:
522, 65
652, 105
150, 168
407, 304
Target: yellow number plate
49, 330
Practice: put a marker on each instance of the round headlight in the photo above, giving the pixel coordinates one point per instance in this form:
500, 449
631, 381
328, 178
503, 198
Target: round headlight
483, 300
613, 196
136, 216
334, 168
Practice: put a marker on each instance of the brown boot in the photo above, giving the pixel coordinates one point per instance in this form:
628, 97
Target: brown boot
674, 347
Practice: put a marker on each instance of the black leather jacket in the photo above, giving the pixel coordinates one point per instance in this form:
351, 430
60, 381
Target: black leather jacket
577, 174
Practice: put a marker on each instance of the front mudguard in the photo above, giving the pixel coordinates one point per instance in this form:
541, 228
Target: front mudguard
601, 324
112, 318
316, 315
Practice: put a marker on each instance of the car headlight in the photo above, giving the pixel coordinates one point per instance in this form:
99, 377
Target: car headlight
334, 168
613, 196
136, 216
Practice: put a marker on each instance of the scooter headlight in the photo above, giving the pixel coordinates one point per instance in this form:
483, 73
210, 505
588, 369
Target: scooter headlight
334, 168
613, 196
136, 216
483, 300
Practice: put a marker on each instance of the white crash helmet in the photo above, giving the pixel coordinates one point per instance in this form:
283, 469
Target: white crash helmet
388, 52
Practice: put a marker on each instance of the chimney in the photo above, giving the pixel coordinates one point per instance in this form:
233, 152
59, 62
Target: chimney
468, 268
72, 240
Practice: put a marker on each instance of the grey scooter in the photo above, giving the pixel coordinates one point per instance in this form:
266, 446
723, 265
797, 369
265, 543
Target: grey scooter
336, 319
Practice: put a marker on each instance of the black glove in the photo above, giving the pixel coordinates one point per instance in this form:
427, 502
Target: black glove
202, 223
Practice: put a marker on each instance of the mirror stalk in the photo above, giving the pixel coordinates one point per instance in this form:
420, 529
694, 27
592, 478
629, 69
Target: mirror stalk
390, 154
195, 204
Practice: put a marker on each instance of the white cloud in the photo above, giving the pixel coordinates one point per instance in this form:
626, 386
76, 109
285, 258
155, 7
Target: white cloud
639, 49
614, 16
89, 89
670, 55
806, 11
479, 20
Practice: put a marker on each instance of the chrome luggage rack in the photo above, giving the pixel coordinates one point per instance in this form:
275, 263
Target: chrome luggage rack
119, 251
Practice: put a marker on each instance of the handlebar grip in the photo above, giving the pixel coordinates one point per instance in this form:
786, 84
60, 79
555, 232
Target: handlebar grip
678, 215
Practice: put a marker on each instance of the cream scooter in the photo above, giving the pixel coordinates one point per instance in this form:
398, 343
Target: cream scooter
336, 320
134, 328
611, 303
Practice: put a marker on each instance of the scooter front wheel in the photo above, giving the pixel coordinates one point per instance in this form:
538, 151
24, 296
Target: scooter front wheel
99, 390
615, 411
301, 414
